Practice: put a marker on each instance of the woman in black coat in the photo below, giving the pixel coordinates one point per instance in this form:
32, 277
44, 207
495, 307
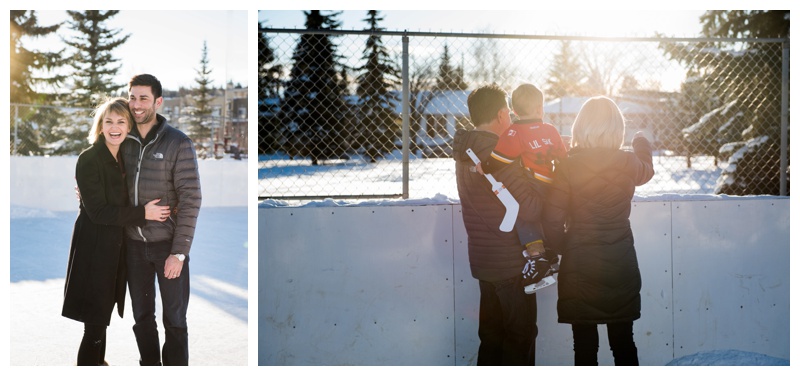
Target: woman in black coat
599, 280
96, 270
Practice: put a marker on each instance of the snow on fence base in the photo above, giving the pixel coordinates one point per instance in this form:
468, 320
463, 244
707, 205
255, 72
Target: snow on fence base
390, 285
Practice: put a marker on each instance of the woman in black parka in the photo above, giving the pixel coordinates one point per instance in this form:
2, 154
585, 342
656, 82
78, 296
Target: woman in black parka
96, 275
586, 220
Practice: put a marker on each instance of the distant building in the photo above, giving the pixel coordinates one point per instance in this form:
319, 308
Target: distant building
561, 112
234, 134
229, 118
443, 112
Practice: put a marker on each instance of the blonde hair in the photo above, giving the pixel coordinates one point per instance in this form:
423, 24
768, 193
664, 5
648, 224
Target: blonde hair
527, 100
118, 106
599, 125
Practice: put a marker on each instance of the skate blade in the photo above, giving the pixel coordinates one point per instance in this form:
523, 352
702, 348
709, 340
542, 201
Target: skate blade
545, 282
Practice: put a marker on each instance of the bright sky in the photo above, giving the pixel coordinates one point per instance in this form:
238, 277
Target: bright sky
611, 23
608, 23
168, 44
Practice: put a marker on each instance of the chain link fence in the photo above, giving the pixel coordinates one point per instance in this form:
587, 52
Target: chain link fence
44, 130
341, 118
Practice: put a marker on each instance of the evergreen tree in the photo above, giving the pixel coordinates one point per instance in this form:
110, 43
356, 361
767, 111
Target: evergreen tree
28, 65
743, 81
93, 60
449, 78
270, 76
566, 73
313, 108
201, 122
31, 71
377, 102
91, 78
269, 72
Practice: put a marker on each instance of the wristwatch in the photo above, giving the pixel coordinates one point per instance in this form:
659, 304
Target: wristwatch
179, 256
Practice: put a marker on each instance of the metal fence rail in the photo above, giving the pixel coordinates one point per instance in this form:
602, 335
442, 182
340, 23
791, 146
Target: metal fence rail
714, 108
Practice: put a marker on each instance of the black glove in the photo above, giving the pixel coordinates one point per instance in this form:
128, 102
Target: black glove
536, 268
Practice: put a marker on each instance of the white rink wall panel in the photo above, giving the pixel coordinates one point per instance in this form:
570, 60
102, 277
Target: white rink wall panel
731, 280
356, 286
651, 223
391, 285
49, 182
467, 296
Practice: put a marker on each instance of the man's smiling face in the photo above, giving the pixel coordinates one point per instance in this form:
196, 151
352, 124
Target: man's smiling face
143, 105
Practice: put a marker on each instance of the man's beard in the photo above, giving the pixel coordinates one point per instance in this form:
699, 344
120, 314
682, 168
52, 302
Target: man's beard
148, 116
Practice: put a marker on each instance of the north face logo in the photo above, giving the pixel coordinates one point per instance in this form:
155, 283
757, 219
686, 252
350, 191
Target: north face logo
158, 156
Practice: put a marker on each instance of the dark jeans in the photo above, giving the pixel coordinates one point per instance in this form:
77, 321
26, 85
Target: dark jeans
145, 266
92, 351
507, 324
620, 339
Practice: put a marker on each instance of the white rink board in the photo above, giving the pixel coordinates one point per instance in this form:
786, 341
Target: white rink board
49, 182
390, 285
356, 286
731, 276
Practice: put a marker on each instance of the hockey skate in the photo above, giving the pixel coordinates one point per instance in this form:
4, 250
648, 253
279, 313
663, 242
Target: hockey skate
548, 280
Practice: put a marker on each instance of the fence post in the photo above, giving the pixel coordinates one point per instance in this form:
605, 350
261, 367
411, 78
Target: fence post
784, 117
406, 118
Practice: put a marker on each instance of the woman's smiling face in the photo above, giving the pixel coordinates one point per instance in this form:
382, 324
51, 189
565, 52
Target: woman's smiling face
115, 128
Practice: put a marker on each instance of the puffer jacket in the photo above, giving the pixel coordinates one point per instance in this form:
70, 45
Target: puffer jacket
166, 168
493, 255
599, 280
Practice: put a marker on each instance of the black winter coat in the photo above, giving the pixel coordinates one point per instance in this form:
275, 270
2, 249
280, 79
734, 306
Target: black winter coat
96, 272
164, 166
599, 279
493, 255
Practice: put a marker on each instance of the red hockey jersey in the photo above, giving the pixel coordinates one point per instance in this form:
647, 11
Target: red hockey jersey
538, 144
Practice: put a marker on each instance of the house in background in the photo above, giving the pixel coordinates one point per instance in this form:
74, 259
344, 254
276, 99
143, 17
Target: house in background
561, 112
442, 113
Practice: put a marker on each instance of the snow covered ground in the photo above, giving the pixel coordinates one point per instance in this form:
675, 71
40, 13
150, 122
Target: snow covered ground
280, 176
728, 358
218, 306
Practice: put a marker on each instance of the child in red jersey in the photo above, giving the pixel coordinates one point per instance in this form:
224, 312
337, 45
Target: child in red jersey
538, 145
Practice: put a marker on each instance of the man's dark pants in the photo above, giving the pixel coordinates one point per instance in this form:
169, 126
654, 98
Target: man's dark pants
145, 265
507, 324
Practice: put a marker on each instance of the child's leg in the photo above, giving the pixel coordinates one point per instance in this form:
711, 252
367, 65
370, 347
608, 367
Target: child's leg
530, 236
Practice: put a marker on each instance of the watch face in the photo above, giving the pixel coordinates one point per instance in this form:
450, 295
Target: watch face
180, 256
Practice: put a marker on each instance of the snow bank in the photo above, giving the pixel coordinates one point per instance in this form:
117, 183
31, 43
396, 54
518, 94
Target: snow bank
444, 199
728, 358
